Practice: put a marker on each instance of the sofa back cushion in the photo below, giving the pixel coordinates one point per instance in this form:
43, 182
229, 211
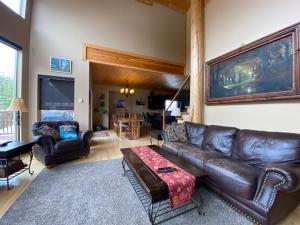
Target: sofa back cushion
219, 138
195, 133
53, 124
260, 148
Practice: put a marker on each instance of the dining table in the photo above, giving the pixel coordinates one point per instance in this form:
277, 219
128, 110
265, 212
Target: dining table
125, 121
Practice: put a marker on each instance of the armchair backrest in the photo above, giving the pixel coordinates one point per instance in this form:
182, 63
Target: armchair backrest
54, 124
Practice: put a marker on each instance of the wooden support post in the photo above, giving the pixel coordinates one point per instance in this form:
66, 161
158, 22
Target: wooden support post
197, 60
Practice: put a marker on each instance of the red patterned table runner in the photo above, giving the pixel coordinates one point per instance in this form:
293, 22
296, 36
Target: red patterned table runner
181, 184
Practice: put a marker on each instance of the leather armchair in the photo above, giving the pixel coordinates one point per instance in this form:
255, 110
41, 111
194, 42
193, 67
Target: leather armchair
51, 152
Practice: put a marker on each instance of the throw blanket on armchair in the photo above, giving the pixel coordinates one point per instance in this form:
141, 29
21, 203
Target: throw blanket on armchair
181, 184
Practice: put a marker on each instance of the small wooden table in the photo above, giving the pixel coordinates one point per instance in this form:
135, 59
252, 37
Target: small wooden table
126, 121
152, 191
10, 166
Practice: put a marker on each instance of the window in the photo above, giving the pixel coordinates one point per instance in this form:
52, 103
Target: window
175, 104
8, 88
18, 6
56, 98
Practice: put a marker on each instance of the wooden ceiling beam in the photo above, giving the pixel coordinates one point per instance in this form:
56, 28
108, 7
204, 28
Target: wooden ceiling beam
99, 54
181, 6
147, 2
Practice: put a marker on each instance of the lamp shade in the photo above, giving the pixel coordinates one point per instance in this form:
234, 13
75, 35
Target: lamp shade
17, 104
176, 112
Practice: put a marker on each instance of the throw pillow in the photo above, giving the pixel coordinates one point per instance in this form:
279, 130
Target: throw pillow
181, 132
171, 133
176, 132
46, 130
68, 132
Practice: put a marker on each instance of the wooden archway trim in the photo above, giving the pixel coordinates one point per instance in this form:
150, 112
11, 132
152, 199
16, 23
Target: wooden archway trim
99, 54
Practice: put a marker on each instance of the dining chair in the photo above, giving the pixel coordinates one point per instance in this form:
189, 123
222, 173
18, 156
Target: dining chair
122, 126
115, 124
134, 126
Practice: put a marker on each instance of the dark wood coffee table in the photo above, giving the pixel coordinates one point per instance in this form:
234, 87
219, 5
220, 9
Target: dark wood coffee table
10, 163
152, 191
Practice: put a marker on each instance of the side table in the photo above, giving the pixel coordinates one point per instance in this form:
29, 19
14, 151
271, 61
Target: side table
11, 164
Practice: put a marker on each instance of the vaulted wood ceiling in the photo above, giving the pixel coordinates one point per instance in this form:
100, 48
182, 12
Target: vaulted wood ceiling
181, 6
104, 74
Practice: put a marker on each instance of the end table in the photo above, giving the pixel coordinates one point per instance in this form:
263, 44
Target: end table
11, 164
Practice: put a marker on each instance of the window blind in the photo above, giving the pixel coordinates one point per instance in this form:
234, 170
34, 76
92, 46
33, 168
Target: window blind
56, 93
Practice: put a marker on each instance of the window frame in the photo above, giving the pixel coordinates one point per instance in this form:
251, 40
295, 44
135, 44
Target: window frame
17, 74
21, 11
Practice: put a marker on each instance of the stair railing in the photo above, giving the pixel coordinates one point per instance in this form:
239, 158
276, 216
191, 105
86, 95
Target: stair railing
174, 99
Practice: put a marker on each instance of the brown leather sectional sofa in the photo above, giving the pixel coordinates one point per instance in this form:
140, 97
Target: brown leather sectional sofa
256, 172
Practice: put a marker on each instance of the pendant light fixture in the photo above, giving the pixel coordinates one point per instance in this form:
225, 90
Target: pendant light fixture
126, 91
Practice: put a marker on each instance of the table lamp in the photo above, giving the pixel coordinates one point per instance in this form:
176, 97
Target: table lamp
176, 112
17, 105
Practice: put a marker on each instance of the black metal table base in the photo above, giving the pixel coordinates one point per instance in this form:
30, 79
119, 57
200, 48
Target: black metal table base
158, 212
8, 178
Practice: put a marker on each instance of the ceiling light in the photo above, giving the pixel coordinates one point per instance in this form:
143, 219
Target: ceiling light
127, 91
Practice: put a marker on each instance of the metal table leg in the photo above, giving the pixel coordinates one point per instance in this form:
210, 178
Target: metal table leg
157, 212
150, 213
4, 165
29, 166
123, 166
7, 183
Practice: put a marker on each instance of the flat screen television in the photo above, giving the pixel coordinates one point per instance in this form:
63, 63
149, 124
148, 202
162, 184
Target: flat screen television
157, 102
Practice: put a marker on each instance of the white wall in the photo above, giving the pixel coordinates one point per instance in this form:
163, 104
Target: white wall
59, 27
228, 25
17, 30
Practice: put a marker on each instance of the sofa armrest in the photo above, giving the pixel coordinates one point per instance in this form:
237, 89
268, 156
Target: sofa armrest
85, 136
46, 143
277, 177
164, 136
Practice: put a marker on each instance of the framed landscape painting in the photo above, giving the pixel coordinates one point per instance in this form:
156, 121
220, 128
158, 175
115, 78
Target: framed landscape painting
265, 69
60, 65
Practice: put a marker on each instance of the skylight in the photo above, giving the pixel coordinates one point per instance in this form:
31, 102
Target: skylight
18, 6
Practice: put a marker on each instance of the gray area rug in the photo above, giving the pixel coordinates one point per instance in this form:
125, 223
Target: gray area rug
97, 193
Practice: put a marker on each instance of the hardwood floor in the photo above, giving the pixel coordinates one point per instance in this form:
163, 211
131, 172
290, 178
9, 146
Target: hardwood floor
104, 148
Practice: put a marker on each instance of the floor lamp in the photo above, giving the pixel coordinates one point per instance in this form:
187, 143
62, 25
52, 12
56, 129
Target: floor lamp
17, 105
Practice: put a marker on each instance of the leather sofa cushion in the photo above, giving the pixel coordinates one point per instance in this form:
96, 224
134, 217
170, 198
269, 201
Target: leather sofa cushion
219, 138
196, 156
191, 153
172, 147
261, 148
233, 176
195, 133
